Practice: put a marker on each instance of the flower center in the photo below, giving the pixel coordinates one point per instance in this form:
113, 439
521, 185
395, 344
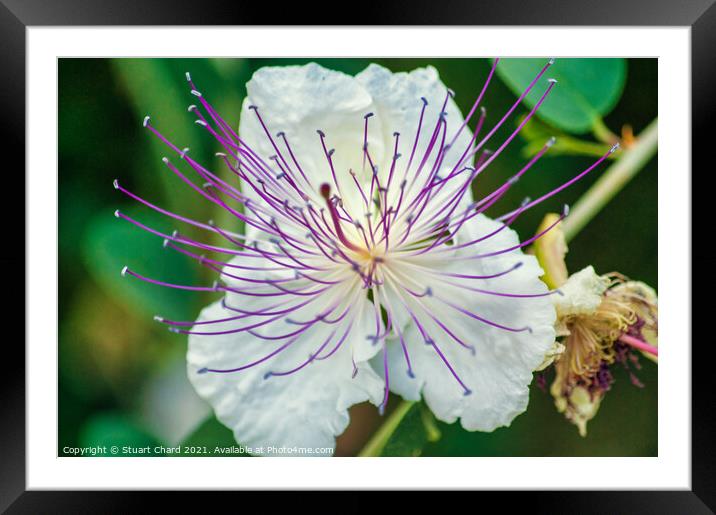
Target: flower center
366, 255
369, 261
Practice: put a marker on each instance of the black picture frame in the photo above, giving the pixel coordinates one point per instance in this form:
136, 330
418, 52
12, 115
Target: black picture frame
17, 15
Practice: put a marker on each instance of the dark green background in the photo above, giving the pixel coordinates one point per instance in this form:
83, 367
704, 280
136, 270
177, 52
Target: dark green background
121, 375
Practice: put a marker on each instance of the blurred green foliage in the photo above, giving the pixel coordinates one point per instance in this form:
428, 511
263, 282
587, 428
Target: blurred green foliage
211, 433
115, 429
105, 251
112, 356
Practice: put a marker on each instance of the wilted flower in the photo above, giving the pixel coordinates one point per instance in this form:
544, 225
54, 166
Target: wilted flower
602, 320
366, 266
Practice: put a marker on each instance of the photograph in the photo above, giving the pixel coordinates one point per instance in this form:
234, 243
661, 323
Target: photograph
422, 249
357, 257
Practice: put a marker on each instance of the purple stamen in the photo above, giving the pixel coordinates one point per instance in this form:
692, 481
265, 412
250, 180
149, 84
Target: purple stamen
310, 360
126, 271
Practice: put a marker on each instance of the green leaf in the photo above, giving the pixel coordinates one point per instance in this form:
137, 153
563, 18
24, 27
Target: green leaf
587, 89
111, 243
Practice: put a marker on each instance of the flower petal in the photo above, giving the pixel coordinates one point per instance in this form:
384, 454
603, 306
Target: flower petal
397, 102
581, 294
499, 371
305, 408
301, 100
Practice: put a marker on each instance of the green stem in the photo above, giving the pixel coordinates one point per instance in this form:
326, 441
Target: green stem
570, 145
612, 181
602, 132
377, 442
432, 432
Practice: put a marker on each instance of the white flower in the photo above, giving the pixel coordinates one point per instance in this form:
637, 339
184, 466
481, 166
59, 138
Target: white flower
366, 266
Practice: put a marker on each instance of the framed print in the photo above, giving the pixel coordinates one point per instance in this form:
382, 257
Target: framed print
384, 256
